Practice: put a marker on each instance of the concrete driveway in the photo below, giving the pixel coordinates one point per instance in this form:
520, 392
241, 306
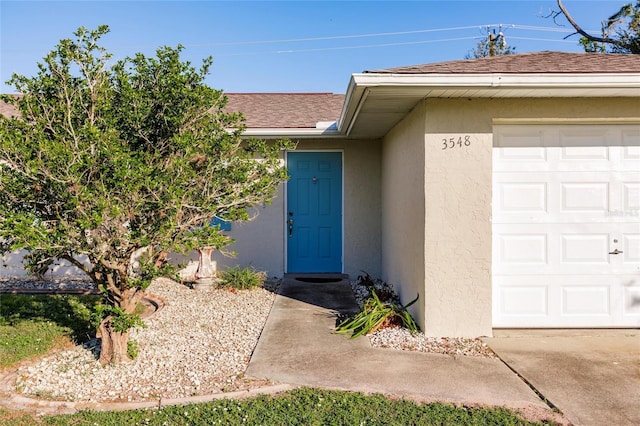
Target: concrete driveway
592, 376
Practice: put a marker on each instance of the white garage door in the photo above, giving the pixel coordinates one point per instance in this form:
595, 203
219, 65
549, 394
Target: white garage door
566, 226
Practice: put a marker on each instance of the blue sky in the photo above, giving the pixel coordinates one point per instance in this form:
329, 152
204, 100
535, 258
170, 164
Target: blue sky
290, 46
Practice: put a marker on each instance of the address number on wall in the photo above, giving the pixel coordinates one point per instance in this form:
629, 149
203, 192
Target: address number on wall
456, 142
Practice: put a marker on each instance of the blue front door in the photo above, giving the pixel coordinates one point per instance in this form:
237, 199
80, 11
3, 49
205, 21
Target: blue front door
314, 212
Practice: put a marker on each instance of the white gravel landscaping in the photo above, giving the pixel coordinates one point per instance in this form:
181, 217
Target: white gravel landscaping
199, 343
402, 339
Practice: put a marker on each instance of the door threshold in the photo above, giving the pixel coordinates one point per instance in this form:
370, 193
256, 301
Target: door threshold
317, 276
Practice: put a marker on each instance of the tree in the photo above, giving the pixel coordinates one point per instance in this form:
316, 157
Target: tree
113, 167
493, 45
620, 33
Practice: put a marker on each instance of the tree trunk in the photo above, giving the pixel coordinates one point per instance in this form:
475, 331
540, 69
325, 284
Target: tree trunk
114, 344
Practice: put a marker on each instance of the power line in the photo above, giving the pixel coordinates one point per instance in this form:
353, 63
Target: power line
347, 37
385, 34
542, 39
365, 46
339, 37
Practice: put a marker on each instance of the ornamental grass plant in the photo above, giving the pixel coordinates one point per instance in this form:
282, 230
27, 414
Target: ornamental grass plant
376, 314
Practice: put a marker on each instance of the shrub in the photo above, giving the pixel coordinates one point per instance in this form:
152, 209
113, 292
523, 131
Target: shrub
242, 278
383, 290
132, 349
376, 314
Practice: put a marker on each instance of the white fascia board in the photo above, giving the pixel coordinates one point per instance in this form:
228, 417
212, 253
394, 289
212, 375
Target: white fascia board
355, 95
602, 81
275, 133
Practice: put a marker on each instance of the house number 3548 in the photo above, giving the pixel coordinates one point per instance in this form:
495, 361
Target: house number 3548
456, 142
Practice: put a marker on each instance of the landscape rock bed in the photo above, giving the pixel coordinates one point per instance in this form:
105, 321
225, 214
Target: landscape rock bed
199, 343
402, 339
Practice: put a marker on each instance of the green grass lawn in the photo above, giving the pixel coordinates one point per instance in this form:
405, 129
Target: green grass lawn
298, 407
33, 325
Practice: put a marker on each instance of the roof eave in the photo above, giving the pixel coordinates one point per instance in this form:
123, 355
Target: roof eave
631, 80
297, 133
485, 85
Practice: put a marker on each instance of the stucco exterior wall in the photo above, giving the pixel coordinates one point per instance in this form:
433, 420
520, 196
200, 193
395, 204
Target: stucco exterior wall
457, 184
403, 211
261, 242
458, 224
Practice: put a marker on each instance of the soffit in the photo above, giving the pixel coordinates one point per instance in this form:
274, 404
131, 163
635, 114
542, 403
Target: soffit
377, 102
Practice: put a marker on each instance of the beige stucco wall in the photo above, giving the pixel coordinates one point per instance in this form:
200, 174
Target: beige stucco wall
403, 211
455, 262
457, 224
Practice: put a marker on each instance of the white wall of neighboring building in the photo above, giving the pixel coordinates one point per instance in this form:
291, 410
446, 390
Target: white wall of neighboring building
11, 267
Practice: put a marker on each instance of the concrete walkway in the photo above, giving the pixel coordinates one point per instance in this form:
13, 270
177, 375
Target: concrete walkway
592, 376
298, 347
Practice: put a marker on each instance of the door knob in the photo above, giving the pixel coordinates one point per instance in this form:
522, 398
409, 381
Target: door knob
616, 251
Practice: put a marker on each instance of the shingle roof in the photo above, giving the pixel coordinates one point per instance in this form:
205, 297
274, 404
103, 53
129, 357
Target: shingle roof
528, 63
7, 110
272, 110
286, 110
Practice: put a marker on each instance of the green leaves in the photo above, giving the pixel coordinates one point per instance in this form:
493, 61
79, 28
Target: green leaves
105, 160
376, 314
620, 32
242, 278
122, 321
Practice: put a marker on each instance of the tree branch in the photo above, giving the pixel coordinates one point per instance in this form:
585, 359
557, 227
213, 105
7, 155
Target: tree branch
75, 262
582, 32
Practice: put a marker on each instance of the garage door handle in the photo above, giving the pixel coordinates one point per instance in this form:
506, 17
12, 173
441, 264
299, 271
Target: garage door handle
616, 251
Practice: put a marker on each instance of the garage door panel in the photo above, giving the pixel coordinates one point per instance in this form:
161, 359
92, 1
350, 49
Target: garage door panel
584, 249
585, 153
587, 196
630, 139
546, 249
570, 136
631, 249
631, 152
559, 197
524, 300
566, 226
521, 249
521, 197
586, 300
631, 198
522, 153
632, 299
